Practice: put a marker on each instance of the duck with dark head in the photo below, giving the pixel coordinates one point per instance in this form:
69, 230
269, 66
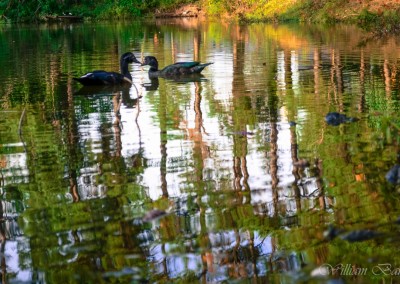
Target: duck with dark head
100, 77
174, 70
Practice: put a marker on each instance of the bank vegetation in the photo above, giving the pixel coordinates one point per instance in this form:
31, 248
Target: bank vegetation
383, 15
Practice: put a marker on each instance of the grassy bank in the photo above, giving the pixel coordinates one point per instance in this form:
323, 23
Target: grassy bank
381, 16
377, 15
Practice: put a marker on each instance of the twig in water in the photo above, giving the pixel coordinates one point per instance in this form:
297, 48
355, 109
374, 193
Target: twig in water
137, 92
20, 123
20, 128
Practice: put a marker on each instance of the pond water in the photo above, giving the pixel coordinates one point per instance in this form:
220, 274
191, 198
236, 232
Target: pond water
250, 176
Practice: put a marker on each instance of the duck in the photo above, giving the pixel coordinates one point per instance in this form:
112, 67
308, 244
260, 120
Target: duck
100, 77
393, 175
335, 118
173, 70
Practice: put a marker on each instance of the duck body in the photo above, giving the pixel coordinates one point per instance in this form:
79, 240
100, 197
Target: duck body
393, 175
101, 77
173, 70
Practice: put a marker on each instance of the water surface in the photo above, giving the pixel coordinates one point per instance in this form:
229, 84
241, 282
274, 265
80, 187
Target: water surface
242, 159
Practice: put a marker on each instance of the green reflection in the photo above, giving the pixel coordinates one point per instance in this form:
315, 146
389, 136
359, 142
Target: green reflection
242, 161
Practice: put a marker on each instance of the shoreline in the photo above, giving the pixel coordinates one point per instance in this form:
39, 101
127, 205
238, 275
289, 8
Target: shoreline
371, 15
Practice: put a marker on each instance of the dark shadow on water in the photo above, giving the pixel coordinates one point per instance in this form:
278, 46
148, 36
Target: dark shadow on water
102, 90
127, 100
152, 85
183, 79
187, 78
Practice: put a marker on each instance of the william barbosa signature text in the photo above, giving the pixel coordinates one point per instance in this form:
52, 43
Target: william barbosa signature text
352, 269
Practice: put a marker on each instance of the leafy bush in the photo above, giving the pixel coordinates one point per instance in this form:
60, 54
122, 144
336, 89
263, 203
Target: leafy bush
24, 10
385, 23
367, 18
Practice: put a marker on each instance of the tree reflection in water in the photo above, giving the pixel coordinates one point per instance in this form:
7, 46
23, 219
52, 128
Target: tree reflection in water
242, 156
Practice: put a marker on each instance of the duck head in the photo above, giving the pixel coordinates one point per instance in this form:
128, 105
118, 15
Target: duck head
151, 61
129, 57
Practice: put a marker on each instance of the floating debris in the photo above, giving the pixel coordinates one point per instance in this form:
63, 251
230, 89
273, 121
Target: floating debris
352, 236
243, 133
335, 118
124, 271
153, 214
302, 163
332, 232
393, 175
321, 271
360, 235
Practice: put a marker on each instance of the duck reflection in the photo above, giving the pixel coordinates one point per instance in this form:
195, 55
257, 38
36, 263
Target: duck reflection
98, 124
123, 91
188, 78
154, 83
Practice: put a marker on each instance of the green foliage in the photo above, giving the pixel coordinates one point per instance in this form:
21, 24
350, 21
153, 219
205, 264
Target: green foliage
239, 9
247, 10
18, 11
385, 23
303, 10
120, 9
166, 4
367, 19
